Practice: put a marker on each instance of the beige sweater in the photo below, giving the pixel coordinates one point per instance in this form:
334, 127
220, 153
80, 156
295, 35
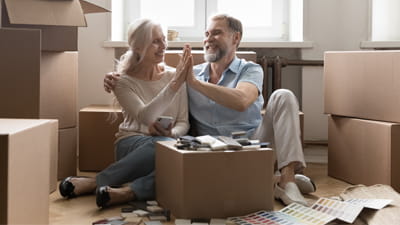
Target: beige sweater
143, 101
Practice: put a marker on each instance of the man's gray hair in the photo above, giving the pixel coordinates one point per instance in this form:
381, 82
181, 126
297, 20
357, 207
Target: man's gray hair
234, 24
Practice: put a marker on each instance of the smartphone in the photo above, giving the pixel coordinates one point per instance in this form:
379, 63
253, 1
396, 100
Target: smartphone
165, 121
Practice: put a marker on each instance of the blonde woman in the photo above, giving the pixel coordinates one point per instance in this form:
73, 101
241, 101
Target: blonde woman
145, 90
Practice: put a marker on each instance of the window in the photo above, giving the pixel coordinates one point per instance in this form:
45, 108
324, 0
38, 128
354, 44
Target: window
385, 20
263, 20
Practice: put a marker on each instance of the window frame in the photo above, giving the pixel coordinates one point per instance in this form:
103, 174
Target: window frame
131, 11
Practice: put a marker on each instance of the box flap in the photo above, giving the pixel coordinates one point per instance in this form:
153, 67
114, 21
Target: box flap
45, 12
88, 7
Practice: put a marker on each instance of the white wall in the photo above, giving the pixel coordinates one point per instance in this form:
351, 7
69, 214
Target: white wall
331, 25
94, 60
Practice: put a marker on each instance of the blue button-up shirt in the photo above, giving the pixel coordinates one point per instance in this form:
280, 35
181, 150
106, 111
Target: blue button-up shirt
209, 117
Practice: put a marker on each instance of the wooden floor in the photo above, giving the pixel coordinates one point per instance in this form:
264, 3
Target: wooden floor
83, 210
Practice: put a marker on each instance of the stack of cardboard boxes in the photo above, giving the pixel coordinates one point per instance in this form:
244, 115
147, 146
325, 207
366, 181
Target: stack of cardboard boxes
363, 97
39, 69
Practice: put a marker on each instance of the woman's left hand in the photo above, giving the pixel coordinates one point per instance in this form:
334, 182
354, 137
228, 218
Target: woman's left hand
156, 129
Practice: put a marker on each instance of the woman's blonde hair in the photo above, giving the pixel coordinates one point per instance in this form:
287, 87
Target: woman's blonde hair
140, 37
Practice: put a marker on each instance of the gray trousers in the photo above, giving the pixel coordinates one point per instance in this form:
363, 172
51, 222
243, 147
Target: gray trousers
135, 164
281, 127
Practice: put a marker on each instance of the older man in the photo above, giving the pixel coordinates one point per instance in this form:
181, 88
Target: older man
225, 96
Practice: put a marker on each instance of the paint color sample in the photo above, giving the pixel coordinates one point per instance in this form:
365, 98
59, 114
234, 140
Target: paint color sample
342, 210
306, 215
264, 217
292, 214
321, 212
371, 203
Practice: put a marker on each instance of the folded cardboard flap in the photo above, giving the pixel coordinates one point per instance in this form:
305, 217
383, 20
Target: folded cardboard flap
58, 13
58, 20
88, 7
50, 12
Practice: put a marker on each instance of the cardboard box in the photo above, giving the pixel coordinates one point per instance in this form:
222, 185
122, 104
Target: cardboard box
59, 79
57, 20
36, 84
25, 153
363, 84
67, 153
172, 56
97, 137
364, 151
195, 184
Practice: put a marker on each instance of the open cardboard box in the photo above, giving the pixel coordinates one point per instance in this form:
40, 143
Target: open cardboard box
57, 19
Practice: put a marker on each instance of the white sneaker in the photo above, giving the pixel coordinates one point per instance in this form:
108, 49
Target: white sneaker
305, 184
290, 194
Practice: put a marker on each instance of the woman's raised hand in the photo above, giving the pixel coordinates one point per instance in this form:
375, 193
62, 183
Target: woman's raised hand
184, 67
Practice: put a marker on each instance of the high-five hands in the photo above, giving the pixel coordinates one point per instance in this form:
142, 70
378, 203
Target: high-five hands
184, 67
184, 70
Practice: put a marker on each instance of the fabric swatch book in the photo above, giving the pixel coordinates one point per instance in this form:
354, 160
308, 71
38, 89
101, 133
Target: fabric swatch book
321, 212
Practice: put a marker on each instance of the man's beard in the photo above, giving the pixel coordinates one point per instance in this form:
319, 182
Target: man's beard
214, 57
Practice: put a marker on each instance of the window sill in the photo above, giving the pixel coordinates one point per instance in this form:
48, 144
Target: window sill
245, 44
380, 45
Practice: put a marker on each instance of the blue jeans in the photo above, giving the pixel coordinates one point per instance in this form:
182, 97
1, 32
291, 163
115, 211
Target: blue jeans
135, 163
